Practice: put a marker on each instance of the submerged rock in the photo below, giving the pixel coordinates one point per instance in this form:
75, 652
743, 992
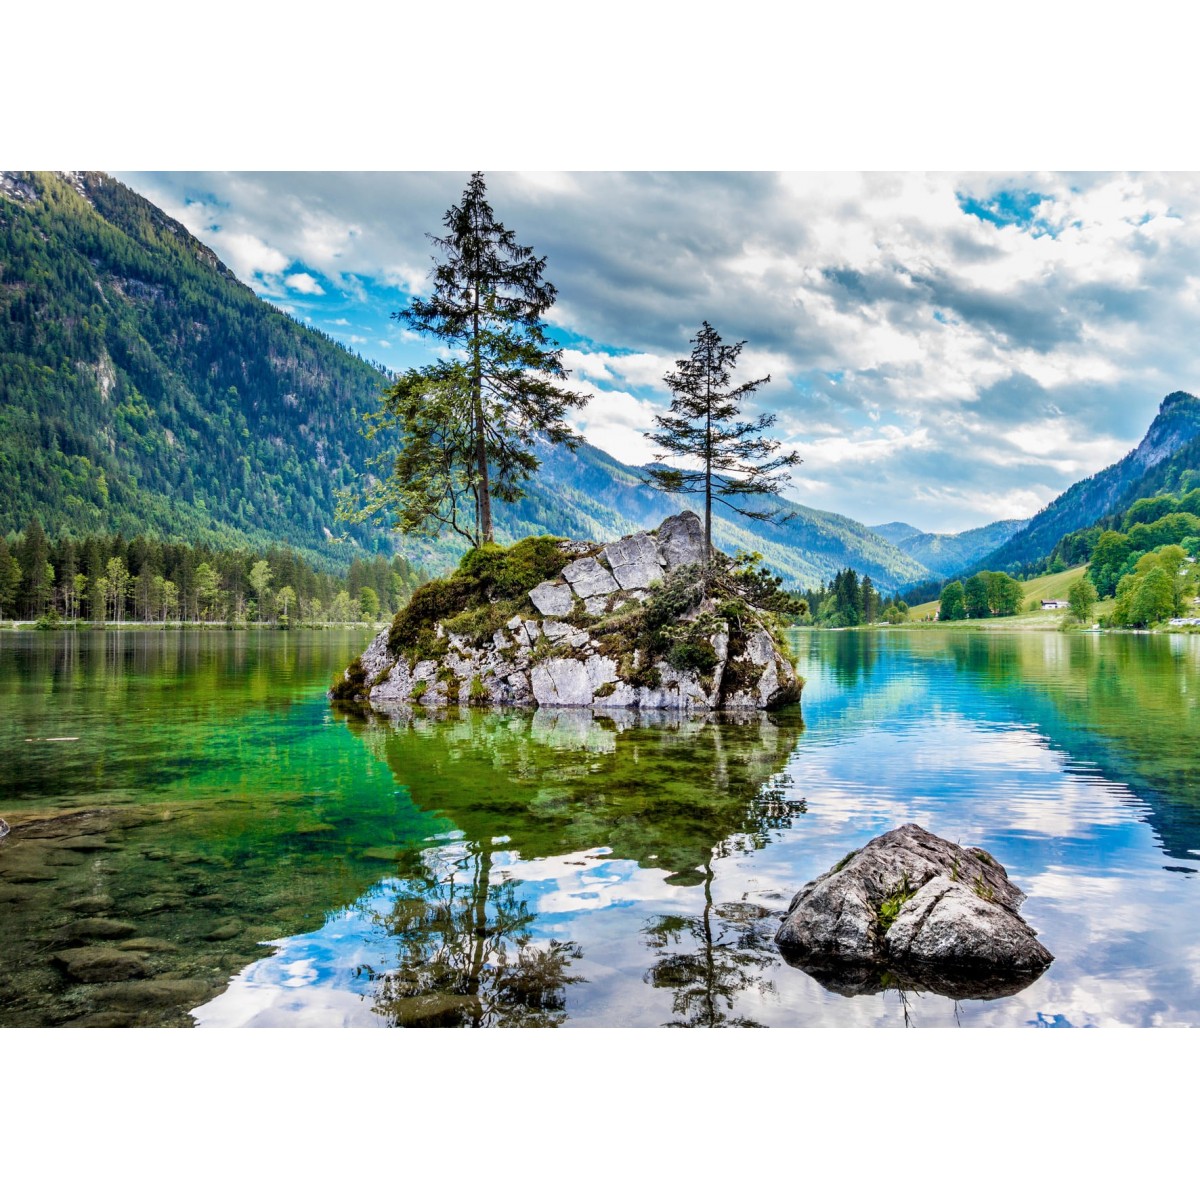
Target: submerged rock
581, 638
912, 909
102, 964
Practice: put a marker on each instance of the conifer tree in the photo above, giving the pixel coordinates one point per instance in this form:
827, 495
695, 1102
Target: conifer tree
10, 577
488, 302
738, 462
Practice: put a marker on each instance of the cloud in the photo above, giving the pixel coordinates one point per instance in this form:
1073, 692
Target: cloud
304, 283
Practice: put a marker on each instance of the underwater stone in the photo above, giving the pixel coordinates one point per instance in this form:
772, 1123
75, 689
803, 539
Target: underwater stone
101, 964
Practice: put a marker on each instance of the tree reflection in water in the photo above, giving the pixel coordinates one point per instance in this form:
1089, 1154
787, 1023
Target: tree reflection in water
710, 960
466, 954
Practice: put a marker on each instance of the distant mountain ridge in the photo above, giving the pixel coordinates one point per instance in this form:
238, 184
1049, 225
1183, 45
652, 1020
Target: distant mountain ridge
946, 553
1170, 441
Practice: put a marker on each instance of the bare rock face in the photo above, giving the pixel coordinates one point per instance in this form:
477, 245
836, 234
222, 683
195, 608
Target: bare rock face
634, 560
589, 578
681, 541
924, 910
552, 600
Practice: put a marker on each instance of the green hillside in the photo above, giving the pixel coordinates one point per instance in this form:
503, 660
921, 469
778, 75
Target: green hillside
1042, 587
143, 389
1171, 445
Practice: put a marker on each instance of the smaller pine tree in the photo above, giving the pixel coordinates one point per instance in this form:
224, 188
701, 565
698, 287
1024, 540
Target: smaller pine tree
738, 461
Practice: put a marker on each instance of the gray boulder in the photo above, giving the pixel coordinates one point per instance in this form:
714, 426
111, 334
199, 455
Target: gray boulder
553, 599
589, 578
681, 540
921, 909
634, 560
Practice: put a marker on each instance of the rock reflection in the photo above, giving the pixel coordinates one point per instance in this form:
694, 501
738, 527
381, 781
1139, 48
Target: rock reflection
864, 979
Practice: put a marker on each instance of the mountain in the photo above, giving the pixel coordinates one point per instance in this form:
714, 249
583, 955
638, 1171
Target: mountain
144, 389
1171, 436
896, 531
946, 554
592, 495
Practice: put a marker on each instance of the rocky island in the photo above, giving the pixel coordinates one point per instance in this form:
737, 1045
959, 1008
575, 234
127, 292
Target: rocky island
632, 623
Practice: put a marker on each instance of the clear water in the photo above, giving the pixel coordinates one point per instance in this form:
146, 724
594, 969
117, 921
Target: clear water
246, 855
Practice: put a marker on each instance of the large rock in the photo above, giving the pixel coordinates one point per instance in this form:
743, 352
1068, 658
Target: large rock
634, 560
554, 655
914, 905
562, 682
681, 540
553, 599
589, 578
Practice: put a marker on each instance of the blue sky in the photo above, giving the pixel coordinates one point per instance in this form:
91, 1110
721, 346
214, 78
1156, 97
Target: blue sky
944, 349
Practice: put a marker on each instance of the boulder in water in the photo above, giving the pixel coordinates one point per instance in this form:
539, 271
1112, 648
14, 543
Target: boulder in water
913, 907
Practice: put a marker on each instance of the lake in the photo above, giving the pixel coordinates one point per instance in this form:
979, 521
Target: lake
198, 838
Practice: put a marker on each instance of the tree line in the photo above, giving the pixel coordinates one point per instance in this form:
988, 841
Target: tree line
104, 579
848, 600
985, 594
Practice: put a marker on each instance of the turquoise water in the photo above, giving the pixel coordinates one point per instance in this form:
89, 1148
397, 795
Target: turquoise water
217, 846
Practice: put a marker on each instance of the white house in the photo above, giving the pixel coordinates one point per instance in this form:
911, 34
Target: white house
1055, 604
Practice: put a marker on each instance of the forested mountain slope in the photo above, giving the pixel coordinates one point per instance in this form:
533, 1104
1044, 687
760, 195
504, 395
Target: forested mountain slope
1170, 441
143, 389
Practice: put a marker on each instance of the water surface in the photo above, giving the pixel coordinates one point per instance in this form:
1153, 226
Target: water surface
267, 860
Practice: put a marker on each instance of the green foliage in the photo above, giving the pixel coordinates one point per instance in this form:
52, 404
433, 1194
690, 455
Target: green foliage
468, 428
148, 580
952, 604
1082, 598
845, 601
489, 587
890, 906
349, 688
1149, 594
975, 596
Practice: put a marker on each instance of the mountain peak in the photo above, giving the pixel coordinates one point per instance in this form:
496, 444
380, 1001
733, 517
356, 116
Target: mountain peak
1173, 400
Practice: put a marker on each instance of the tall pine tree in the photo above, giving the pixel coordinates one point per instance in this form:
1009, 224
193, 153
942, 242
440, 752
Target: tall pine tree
488, 302
738, 462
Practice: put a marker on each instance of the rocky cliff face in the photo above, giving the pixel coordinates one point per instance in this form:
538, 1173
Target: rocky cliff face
620, 625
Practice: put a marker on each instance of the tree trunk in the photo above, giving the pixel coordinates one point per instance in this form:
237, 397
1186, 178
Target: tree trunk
485, 495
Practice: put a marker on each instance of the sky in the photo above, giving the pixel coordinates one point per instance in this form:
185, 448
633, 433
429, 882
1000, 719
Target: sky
943, 349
